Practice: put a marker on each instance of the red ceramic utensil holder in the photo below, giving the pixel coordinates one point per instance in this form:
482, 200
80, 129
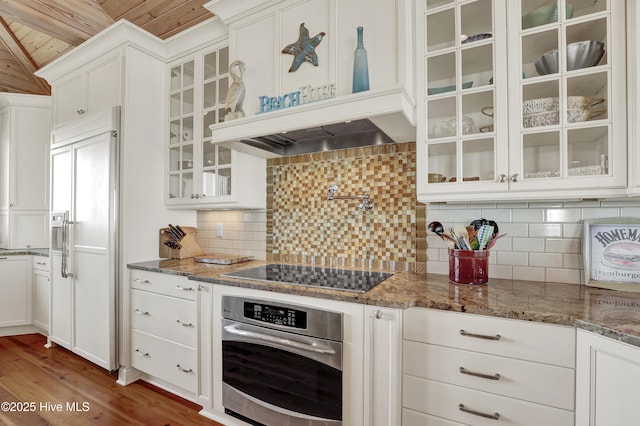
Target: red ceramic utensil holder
468, 266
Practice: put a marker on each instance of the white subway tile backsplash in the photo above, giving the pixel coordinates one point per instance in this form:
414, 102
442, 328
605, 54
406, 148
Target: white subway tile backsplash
563, 245
527, 215
562, 215
512, 258
572, 230
527, 244
514, 229
549, 234
465, 216
549, 230
571, 276
572, 261
553, 260
600, 213
528, 273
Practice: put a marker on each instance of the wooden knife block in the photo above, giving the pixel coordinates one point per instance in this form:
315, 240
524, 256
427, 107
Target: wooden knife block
189, 245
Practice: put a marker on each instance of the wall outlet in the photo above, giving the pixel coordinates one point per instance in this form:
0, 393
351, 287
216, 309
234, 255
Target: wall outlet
219, 230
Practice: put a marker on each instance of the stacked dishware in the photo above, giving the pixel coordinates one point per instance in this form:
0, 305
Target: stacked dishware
546, 111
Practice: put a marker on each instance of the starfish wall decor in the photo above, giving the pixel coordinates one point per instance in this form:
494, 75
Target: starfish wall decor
304, 48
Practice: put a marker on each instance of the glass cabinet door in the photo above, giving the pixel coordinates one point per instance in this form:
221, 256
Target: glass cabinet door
181, 130
463, 76
564, 94
216, 160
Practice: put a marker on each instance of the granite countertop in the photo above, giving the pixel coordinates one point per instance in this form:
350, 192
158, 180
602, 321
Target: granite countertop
615, 314
25, 252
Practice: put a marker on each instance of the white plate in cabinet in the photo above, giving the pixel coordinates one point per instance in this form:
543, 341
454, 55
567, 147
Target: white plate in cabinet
546, 343
529, 381
477, 408
167, 284
169, 361
171, 318
415, 418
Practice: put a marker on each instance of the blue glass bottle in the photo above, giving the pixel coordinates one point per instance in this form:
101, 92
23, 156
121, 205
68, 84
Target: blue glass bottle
360, 66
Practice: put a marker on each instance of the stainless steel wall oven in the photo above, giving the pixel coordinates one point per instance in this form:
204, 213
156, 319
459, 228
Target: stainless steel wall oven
281, 363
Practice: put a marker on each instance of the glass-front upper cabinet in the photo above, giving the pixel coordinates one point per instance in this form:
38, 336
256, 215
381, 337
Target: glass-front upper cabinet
181, 134
464, 107
216, 160
570, 93
198, 88
520, 100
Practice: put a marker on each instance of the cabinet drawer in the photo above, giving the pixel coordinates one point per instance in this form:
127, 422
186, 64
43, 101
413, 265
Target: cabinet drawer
167, 284
169, 361
547, 343
164, 316
445, 400
529, 381
416, 418
40, 263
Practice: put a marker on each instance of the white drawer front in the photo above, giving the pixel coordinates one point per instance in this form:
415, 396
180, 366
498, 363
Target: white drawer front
167, 284
172, 362
547, 343
415, 418
530, 381
444, 400
164, 316
40, 263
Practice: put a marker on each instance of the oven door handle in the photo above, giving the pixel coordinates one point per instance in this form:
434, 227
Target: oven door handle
233, 329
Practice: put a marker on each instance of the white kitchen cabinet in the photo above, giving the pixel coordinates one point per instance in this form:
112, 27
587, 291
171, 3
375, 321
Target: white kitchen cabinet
41, 292
474, 369
164, 329
15, 290
607, 377
383, 366
61, 305
201, 174
25, 132
492, 129
94, 87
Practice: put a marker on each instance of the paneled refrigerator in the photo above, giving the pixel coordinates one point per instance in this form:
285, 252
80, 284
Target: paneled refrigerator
84, 237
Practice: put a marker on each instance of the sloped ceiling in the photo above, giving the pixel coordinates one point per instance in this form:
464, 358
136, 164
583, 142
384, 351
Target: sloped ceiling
35, 32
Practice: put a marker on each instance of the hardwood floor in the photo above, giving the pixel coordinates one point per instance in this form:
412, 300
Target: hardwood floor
46, 383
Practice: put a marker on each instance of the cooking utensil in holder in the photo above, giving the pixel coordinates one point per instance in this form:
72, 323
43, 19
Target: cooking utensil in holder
187, 246
468, 266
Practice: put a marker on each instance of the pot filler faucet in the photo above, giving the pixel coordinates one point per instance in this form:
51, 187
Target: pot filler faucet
366, 203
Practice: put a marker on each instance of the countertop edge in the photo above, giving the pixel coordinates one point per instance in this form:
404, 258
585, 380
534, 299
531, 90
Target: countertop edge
377, 297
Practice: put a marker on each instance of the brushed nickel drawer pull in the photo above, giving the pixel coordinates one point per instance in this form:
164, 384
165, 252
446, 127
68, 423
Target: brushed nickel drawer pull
495, 376
184, 370
480, 336
494, 416
139, 352
184, 324
179, 287
139, 312
141, 281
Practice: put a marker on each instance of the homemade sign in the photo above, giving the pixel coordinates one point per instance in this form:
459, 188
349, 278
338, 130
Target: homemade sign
612, 253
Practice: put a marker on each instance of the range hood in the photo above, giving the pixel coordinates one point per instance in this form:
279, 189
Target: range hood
354, 120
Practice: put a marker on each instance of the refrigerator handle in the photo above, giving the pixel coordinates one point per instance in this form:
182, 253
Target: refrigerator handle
65, 249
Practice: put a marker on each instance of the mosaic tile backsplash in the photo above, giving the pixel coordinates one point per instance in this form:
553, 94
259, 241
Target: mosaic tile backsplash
304, 225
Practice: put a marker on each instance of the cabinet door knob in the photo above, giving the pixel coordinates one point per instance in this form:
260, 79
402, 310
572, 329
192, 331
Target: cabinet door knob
502, 178
81, 111
11, 205
515, 177
378, 314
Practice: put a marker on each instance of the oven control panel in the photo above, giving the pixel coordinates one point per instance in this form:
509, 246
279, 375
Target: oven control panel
278, 315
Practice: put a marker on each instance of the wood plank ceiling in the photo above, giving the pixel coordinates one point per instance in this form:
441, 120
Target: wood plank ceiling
35, 32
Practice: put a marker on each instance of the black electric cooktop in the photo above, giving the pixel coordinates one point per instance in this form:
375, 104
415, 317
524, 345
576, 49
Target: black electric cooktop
356, 281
